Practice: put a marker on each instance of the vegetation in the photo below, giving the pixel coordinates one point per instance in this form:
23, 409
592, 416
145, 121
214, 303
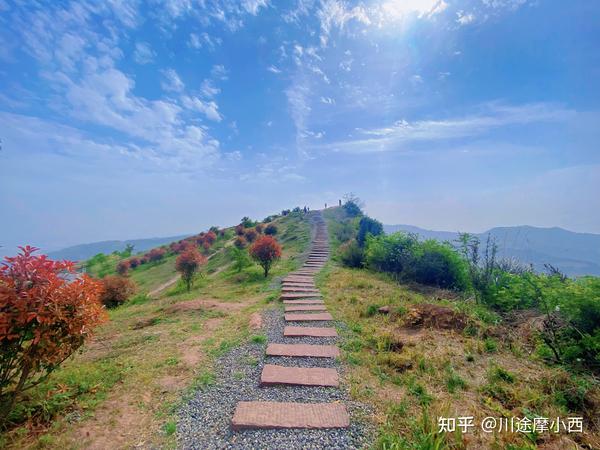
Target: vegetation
116, 290
43, 319
188, 263
265, 251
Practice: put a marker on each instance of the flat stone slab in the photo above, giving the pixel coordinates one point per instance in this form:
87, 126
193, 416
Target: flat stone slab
310, 331
298, 284
291, 317
305, 308
303, 350
299, 289
309, 301
293, 295
314, 376
289, 415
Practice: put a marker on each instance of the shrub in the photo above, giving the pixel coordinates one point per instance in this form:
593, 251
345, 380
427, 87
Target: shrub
44, 318
246, 222
392, 253
266, 250
116, 290
134, 262
123, 267
259, 228
350, 254
240, 242
250, 235
188, 263
239, 230
368, 226
352, 205
240, 258
438, 264
210, 237
271, 229
156, 254
144, 259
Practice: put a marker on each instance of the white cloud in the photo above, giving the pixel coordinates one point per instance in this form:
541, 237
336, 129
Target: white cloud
209, 108
335, 14
327, 100
201, 40
253, 6
208, 89
143, 53
492, 116
464, 18
171, 81
273, 69
218, 71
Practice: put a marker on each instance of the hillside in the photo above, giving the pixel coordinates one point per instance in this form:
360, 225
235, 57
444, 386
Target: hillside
171, 367
84, 251
573, 253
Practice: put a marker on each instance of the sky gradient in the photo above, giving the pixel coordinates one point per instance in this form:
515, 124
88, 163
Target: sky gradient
131, 119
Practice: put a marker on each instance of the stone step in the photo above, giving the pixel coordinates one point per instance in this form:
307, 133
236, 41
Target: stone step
320, 317
298, 289
307, 284
315, 301
309, 331
289, 415
314, 376
305, 308
303, 350
293, 295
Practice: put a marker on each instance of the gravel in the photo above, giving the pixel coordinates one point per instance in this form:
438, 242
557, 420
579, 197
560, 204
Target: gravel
204, 421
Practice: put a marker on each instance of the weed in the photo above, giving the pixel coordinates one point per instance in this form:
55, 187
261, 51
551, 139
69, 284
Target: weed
372, 310
490, 345
259, 339
170, 428
500, 374
454, 382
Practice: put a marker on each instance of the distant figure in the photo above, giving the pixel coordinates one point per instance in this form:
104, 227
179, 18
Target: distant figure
325, 205
305, 210
340, 202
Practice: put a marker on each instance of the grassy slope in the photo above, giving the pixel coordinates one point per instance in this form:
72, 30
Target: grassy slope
441, 372
123, 388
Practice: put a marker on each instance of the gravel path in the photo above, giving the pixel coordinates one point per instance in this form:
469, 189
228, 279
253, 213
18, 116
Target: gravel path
204, 422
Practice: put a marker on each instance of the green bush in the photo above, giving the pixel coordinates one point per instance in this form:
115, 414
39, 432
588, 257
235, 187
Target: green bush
392, 253
438, 264
368, 226
351, 254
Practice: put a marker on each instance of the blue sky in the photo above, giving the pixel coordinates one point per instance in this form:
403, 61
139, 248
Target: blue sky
126, 119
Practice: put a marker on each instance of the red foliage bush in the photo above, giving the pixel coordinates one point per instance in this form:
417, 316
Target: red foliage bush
240, 242
46, 313
271, 229
210, 237
250, 234
259, 228
180, 246
134, 262
116, 290
239, 229
188, 263
266, 250
144, 259
156, 254
123, 267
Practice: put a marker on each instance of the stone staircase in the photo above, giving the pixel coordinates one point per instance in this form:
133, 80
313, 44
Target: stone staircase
303, 304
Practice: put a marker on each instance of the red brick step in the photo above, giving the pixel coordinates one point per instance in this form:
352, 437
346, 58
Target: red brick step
303, 350
291, 317
289, 415
305, 308
314, 376
309, 331
304, 302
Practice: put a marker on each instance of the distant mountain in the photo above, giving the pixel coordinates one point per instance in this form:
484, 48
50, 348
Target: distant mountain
85, 251
574, 253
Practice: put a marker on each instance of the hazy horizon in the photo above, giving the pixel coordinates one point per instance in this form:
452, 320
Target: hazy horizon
132, 120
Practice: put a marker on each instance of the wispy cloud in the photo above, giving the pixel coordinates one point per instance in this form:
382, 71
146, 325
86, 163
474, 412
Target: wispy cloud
464, 18
143, 53
201, 40
171, 81
491, 117
209, 108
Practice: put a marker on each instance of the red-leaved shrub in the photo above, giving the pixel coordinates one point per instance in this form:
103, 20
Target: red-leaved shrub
46, 313
123, 267
134, 262
250, 234
259, 228
210, 237
266, 250
240, 242
239, 229
271, 229
188, 263
156, 254
116, 290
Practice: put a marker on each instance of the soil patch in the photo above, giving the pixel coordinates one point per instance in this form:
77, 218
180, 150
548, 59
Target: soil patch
427, 315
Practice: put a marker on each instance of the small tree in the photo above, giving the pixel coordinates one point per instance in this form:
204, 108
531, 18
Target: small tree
156, 254
44, 318
188, 263
239, 230
116, 290
240, 242
240, 258
266, 250
123, 268
368, 226
250, 234
271, 229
